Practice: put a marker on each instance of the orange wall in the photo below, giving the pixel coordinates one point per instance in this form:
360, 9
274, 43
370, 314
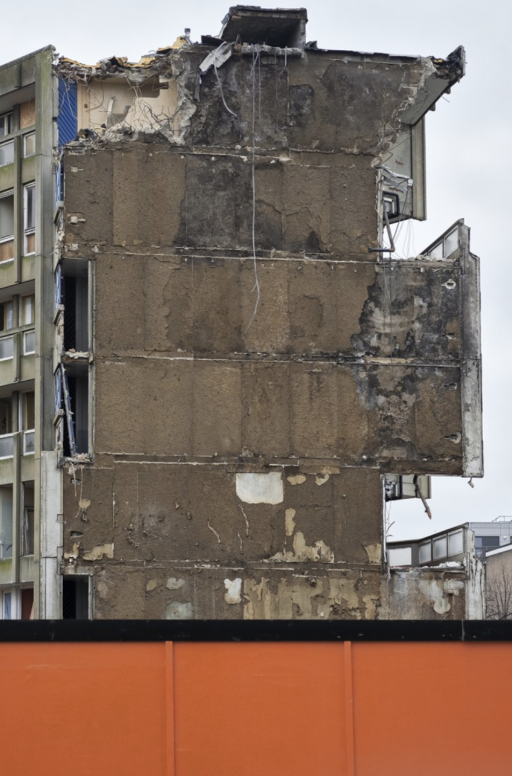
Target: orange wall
255, 709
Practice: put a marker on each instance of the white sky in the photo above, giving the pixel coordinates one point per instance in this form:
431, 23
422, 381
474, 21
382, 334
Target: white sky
468, 160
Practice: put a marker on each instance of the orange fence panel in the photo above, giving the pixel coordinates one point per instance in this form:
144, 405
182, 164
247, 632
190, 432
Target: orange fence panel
255, 709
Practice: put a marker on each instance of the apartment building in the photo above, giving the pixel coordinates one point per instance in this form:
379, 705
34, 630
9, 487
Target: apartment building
229, 355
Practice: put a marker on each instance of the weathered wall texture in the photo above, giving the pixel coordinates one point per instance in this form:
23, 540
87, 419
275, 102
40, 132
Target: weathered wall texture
349, 368
425, 594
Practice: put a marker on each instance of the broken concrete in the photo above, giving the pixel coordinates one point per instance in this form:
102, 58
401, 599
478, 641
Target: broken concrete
256, 368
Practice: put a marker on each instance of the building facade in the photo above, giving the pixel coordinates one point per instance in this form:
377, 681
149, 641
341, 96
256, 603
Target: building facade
229, 357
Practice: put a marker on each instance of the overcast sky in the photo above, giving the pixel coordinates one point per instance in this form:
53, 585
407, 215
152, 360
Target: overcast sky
468, 159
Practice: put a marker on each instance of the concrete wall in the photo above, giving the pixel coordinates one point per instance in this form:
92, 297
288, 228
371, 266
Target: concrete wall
344, 368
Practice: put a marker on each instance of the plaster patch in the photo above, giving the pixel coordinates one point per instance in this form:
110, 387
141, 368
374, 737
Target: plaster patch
264, 488
73, 553
297, 479
289, 521
233, 590
321, 479
374, 552
174, 584
152, 584
100, 551
177, 610
304, 552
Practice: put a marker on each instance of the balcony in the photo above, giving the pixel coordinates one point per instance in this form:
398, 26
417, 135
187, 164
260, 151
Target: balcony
17, 356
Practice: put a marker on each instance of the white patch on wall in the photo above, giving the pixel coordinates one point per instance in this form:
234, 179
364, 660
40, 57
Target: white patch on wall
177, 610
233, 590
260, 488
174, 584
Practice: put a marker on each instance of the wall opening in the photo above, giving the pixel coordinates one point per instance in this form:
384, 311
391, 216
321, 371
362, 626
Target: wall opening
27, 519
76, 314
75, 598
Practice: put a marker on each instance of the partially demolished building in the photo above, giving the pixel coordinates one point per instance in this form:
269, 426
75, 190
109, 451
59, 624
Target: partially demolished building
210, 355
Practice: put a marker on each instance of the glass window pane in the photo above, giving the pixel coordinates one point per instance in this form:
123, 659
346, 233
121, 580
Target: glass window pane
8, 311
400, 556
29, 342
6, 153
425, 552
6, 347
437, 251
5, 124
440, 547
27, 310
451, 243
455, 543
30, 216
28, 531
29, 440
6, 446
7, 606
29, 147
6, 216
6, 528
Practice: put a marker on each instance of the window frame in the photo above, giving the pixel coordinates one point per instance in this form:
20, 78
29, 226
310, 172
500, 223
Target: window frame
25, 138
23, 305
27, 334
4, 145
28, 231
2, 339
8, 193
6, 119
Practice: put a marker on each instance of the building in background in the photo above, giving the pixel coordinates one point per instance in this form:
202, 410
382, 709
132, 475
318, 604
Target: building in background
229, 354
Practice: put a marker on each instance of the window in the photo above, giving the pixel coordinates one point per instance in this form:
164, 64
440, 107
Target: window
29, 144
29, 343
27, 523
446, 246
6, 226
6, 429
5, 416
28, 422
6, 348
5, 522
73, 389
7, 153
425, 552
486, 542
16, 604
400, 556
440, 547
6, 605
6, 315
76, 314
6, 124
30, 219
27, 310
455, 543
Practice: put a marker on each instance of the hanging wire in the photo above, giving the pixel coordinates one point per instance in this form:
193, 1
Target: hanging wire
256, 287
